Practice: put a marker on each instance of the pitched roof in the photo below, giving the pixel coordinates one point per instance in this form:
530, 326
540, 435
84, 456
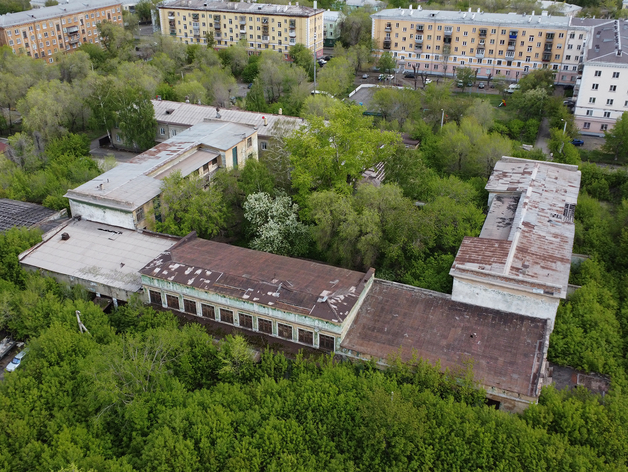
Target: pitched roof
294, 285
608, 43
188, 114
527, 238
505, 349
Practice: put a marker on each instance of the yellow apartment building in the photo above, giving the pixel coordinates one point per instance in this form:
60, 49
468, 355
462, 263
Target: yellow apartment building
264, 26
505, 44
44, 32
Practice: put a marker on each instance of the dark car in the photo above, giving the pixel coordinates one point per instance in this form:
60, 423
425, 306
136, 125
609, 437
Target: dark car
327, 58
577, 142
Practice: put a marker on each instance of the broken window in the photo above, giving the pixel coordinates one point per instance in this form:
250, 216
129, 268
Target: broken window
173, 301
208, 311
155, 297
246, 321
326, 342
189, 306
284, 331
265, 326
226, 316
306, 337
569, 212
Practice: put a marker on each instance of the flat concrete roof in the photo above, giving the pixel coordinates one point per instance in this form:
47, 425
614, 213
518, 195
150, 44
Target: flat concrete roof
98, 253
527, 238
505, 350
293, 285
45, 13
242, 7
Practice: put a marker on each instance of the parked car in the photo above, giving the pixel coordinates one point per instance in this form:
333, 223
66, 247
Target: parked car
408, 74
390, 77
251, 85
481, 85
428, 81
469, 84
577, 142
512, 88
327, 58
322, 62
365, 76
15, 363
381, 77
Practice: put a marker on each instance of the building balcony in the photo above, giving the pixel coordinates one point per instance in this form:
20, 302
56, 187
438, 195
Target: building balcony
513, 35
482, 33
172, 33
216, 26
481, 42
511, 48
448, 32
418, 47
243, 31
171, 16
265, 39
74, 40
218, 35
387, 44
547, 58
388, 29
242, 21
293, 34
510, 55
480, 54
418, 40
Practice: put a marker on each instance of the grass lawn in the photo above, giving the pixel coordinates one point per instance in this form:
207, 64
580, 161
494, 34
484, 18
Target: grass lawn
601, 157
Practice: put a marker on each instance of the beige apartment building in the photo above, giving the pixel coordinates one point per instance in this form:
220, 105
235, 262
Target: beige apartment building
263, 26
44, 32
508, 45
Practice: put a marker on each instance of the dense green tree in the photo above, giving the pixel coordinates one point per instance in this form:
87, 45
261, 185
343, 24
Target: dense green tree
336, 78
616, 140
386, 63
465, 76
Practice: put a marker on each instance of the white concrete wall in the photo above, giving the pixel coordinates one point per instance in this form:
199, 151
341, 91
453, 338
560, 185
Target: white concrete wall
528, 304
102, 215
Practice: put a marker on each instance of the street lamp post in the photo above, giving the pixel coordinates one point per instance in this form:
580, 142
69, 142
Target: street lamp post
442, 118
564, 127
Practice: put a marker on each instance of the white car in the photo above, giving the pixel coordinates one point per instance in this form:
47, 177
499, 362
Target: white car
428, 81
15, 363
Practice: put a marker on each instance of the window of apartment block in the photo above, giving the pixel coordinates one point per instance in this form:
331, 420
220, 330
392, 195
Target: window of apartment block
603, 127
264, 326
589, 112
326, 342
595, 86
607, 114
189, 306
172, 301
155, 297
207, 311
609, 101
139, 214
246, 321
615, 75
306, 337
598, 73
226, 316
284, 331
591, 99
586, 125
612, 88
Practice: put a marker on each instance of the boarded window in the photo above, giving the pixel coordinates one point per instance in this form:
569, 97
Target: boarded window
326, 342
246, 321
284, 331
265, 326
173, 302
155, 297
226, 316
306, 337
189, 306
208, 311
569, 212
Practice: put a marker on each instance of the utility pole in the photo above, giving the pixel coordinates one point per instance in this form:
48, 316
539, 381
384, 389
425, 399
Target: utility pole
314, 58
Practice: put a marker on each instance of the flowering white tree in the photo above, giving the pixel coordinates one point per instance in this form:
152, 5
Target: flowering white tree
275, 225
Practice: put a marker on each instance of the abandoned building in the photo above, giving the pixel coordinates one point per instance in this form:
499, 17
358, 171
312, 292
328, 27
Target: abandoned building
127, 195
521, 260
104, 259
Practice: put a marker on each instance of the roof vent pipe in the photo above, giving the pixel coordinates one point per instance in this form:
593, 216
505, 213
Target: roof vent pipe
65, 236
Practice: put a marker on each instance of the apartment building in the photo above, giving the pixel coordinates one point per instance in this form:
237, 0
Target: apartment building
44, 32
602, 96
262, 26
494, 44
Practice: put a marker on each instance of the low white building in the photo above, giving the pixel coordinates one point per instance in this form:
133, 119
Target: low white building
521, 261
602, 95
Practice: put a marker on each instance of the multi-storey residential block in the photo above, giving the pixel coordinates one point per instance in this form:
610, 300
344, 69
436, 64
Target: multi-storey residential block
602, 95
510, 45
44, 32
262, 26
331, 29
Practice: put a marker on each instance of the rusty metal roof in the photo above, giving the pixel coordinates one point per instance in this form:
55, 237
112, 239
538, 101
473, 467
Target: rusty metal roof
294, 285
506, 349
527, 238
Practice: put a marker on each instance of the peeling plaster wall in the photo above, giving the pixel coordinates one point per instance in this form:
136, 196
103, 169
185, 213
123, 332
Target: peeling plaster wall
488, 296
104, 215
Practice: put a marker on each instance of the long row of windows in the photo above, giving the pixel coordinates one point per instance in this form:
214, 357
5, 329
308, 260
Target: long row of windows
244, 320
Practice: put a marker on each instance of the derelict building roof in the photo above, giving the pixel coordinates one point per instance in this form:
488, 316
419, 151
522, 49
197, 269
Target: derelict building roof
131, 184
16, 213
506, 349
243, 7
189, 114
294, 285
528, 234
62, 9
98, 253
